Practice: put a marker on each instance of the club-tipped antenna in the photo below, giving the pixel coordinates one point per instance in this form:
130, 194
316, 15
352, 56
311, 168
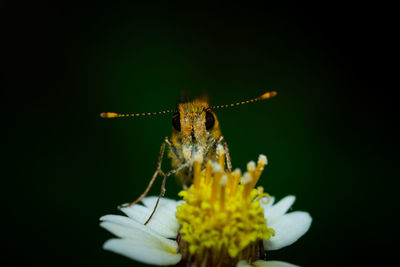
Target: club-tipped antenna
266, 95
109, 115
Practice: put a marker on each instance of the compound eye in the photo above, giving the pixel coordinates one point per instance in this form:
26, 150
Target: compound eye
210, 120
176, 121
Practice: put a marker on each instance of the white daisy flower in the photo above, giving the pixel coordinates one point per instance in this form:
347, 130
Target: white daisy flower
149, 243
222, 221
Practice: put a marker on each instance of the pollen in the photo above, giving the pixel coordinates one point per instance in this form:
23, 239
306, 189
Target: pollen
222, 214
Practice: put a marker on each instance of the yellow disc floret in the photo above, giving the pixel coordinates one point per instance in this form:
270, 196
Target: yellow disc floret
222, 213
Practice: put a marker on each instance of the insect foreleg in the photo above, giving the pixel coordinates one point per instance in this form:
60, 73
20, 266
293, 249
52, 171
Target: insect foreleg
158, 170
208, 149
173, 149
162, 191
214, 142
228, 157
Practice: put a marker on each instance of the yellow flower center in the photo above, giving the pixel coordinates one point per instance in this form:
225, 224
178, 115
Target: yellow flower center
222, 215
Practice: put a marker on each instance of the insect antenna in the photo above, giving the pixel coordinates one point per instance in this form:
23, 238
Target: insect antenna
109, 115
266, 95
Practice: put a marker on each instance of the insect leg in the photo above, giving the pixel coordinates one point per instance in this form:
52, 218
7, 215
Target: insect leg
179, 157
162, 191
228, 157
173, 149
207, 150
158, 170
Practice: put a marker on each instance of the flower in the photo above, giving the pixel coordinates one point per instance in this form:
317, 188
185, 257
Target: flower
222, 221
222, 215
149, 243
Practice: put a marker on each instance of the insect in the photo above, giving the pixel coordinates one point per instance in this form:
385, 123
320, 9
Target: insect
195, 132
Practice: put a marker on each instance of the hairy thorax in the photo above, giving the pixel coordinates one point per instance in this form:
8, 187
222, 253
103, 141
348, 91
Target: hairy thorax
193, 138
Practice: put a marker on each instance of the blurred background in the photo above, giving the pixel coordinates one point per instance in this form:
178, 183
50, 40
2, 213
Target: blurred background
329, 134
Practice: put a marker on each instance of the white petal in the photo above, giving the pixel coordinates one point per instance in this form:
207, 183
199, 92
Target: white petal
243, 263
165, 203
150, 202
163, 221
141, 252
288, 228
126, 228
279, 208
260, 263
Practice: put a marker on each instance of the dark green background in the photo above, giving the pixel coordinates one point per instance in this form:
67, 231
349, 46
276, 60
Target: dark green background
328, 135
